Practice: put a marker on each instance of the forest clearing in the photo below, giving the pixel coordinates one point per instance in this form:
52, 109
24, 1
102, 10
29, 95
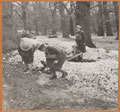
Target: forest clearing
86, 29
88, 86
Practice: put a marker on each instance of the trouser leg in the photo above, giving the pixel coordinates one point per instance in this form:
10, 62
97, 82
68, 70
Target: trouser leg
53, 75
26, 68
44, 65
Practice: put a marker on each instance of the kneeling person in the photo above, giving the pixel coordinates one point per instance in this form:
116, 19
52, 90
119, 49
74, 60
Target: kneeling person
55, 58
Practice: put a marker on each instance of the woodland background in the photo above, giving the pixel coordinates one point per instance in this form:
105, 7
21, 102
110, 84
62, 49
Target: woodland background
96, 18
89, 85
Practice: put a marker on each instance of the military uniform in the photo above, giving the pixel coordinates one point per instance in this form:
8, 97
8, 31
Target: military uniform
60, 56
55, 58
80, 41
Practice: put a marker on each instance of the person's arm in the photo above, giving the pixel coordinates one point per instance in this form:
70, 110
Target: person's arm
83, 36
56, 52
72, 37
19, 51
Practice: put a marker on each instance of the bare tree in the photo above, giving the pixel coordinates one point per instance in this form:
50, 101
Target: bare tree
115, 4
44, 16
10, 40
53, 7
100, 31
107, 20
35, 9
82, 14
94, 16
64, 20
70, 12
22, 12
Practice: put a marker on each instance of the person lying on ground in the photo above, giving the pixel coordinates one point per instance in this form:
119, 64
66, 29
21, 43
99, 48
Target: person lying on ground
55, 58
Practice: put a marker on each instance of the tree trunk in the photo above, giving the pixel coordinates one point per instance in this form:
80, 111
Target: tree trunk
71, 18
82, 14
95, 30
44, 30
36, 19
24, 15
64, 21
117, 17
36, 27
100, 31
53, 24
71, 26
24, 21
10, 39
107, 20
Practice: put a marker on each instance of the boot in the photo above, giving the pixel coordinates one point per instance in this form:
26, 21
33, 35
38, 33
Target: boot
26, 68
43, 63
42, 69
44, 66
54, 76
64, 74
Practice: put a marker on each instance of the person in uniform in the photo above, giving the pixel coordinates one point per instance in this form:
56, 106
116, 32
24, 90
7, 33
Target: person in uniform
80, 41
26, 50
55, 58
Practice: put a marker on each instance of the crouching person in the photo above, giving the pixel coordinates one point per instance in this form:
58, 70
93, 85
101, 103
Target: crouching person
26, 50
55, 58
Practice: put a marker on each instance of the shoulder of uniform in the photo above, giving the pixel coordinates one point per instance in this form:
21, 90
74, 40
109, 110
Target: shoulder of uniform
48, 46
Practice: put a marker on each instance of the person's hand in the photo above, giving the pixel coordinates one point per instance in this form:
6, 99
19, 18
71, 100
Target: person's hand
56, 61
31, 67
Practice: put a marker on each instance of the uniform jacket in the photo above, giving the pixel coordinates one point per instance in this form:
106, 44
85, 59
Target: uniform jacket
80, 41
59, 54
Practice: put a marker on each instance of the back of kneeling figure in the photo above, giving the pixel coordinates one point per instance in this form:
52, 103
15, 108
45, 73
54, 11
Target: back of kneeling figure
55, 58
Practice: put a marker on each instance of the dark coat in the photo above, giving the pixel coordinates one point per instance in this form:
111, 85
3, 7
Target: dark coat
80, 41
27, 56
60, 56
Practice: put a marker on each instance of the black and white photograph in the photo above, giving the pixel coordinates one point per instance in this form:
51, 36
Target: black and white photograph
60, 55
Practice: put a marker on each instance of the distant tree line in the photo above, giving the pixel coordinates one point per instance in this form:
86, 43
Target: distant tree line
100, 18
